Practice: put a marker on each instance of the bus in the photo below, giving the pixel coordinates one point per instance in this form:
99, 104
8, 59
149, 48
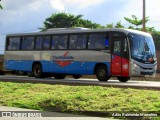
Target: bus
115, 52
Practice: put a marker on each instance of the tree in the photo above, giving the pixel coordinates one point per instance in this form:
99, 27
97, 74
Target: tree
119, 25
66, 20
156, 36
1, 6
135, 21
110, 25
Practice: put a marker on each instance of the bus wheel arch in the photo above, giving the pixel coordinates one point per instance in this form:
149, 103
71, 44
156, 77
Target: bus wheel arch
101, 72
37, 69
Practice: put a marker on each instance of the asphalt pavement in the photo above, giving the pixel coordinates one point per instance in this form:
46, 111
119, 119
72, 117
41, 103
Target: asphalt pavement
154, 85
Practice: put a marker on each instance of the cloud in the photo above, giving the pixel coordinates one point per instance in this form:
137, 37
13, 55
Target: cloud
16, 10
67, 5
58, 5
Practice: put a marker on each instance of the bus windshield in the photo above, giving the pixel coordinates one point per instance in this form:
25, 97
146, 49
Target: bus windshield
142, 48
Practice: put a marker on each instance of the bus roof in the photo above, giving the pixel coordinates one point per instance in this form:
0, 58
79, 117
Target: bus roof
80, 30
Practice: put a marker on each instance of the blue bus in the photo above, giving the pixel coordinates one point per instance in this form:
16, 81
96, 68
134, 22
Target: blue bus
122, 53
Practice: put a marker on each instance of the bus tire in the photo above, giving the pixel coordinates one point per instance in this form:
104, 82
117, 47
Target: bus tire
102, 73
77, 76
37, 71
123, 79
59, 76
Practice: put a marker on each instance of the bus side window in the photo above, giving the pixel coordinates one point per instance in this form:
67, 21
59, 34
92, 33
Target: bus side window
59, 42
47, 42
81, 42
39, 42
28, 43
78, 41
14, 43
54, 42
91, 42
98, 41
72, 42
62, 42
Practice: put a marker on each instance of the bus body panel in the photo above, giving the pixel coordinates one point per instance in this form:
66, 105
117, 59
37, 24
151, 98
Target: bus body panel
69, 62
125, 67
116, 65
120, 66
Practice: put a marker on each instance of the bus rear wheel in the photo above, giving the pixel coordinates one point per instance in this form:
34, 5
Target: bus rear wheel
77, 76
37, 71
102, 73
123, 79
59, 76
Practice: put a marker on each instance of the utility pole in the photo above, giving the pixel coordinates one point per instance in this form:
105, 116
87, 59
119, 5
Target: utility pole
144, 15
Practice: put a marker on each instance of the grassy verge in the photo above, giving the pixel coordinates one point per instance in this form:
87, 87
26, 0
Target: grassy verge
77, 98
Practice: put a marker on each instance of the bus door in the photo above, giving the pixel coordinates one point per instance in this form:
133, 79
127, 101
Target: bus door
120, 57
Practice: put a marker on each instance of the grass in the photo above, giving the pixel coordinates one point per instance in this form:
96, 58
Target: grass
77, 98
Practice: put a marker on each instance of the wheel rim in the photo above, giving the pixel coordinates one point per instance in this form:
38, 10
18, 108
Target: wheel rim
37, 71
102, 73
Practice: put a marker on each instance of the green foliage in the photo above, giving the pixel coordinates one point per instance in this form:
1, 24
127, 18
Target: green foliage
110, 25
1, 6
135, 21
66, 20
131, 27
156, 38
119, 25
77, 98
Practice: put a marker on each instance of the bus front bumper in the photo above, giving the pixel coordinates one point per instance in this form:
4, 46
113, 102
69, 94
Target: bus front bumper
139, 69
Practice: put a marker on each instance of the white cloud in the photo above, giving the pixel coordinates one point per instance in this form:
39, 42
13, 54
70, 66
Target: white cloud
57, 4
19, 10
65, 5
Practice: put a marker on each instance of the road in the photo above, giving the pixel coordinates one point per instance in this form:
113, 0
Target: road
84, 81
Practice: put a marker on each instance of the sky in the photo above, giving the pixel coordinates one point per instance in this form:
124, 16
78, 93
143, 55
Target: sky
19, 16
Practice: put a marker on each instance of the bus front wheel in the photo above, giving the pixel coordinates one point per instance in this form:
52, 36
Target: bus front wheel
37, 71
123, 79
102, 73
